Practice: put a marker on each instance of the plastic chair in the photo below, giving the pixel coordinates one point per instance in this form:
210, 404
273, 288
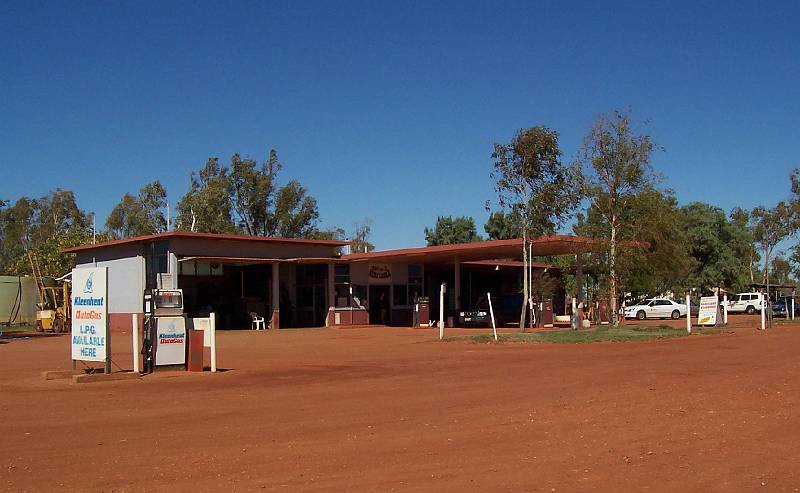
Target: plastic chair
258, 321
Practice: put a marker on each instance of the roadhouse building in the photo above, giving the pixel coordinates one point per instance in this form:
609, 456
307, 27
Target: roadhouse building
307, 283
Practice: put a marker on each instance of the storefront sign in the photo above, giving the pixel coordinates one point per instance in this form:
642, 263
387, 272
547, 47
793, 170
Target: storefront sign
170, 341
709, 311
380, 272
89, 301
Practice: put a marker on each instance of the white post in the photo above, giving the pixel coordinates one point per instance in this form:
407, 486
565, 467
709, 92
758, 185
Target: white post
725, 308
491, 312
212, 326
688, 313
574, 314
135, 332
763, 312
441, 310
792, 306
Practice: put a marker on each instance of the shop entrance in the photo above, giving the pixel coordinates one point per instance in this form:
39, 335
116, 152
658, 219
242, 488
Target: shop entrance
379, 312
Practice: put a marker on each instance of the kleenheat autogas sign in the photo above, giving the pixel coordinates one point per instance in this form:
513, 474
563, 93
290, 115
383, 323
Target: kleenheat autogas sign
89, 313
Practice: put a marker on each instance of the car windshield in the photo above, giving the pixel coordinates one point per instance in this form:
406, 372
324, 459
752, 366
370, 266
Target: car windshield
645, 302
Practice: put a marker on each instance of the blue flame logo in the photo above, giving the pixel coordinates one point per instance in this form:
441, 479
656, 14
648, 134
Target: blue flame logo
89, 287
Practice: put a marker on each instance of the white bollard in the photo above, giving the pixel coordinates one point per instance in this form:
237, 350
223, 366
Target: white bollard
135, 333
792, 307
763, 313
441, 310
725, 309
575, 321
491, 313
688, 313
213, 340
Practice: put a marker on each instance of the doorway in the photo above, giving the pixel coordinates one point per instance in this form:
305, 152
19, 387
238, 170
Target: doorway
379, 306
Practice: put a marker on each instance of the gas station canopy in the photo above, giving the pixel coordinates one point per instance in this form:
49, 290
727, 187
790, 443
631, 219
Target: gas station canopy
484, 250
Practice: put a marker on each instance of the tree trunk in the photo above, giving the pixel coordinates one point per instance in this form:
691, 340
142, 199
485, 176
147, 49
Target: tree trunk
612, 260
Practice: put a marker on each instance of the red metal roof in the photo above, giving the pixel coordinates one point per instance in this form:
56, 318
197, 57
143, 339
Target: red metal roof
483, 250
205, 236
509, 263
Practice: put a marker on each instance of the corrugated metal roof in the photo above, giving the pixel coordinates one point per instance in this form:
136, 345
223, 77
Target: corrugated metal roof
205, 236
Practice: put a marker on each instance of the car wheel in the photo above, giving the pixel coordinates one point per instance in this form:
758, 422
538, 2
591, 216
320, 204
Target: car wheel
751, 310
640, 315
676, 314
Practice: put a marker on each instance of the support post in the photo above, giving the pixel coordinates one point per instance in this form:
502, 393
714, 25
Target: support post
457, 284
213, 340
331, 295
491, 313
725, 308
135, 332
688, 313
275, 322
442, 289
793, 304
763, 312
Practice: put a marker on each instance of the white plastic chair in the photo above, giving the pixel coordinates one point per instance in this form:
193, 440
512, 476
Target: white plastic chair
258, 321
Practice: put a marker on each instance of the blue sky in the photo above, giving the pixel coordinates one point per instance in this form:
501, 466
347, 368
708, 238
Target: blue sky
389, 110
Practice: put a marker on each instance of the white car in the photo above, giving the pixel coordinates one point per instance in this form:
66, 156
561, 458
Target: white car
749, 303
656, 308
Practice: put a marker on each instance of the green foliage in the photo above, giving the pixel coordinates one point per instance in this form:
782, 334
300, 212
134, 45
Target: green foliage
617, 178
781, 271
206, 206
770, 227
450, 230
721, 248
503, 226
532, 182
245, 197
660, 264
360, 238
138, 216
253, 191
599, 334
295, 214
41, 226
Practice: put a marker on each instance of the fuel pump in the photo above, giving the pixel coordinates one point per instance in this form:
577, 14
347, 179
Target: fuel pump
169, 339
148, 334
164, 335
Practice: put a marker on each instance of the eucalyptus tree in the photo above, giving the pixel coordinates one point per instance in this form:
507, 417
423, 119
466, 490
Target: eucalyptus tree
533, 184
616, 170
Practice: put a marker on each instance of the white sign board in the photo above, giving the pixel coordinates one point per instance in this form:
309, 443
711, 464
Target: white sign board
89, 300
709, 311
170, 341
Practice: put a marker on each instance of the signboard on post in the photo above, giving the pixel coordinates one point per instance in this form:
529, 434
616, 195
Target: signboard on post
709, 311
90, 314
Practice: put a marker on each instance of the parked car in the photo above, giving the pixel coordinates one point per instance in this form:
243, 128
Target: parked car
782, 307
657, 308
749, 303
506, 310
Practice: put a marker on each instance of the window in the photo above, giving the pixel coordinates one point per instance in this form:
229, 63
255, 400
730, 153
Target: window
360, 292
197, 268
400, 294
414, 283
156, 260
342, 285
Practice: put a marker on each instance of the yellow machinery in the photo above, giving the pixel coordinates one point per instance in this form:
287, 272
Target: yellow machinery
53, 312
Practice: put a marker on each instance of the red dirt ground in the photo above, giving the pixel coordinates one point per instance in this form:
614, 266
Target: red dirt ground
378, 409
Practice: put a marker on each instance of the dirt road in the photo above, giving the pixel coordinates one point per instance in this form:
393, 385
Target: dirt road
379, 409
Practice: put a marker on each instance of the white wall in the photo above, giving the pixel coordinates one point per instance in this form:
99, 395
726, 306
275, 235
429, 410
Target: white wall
125, 283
